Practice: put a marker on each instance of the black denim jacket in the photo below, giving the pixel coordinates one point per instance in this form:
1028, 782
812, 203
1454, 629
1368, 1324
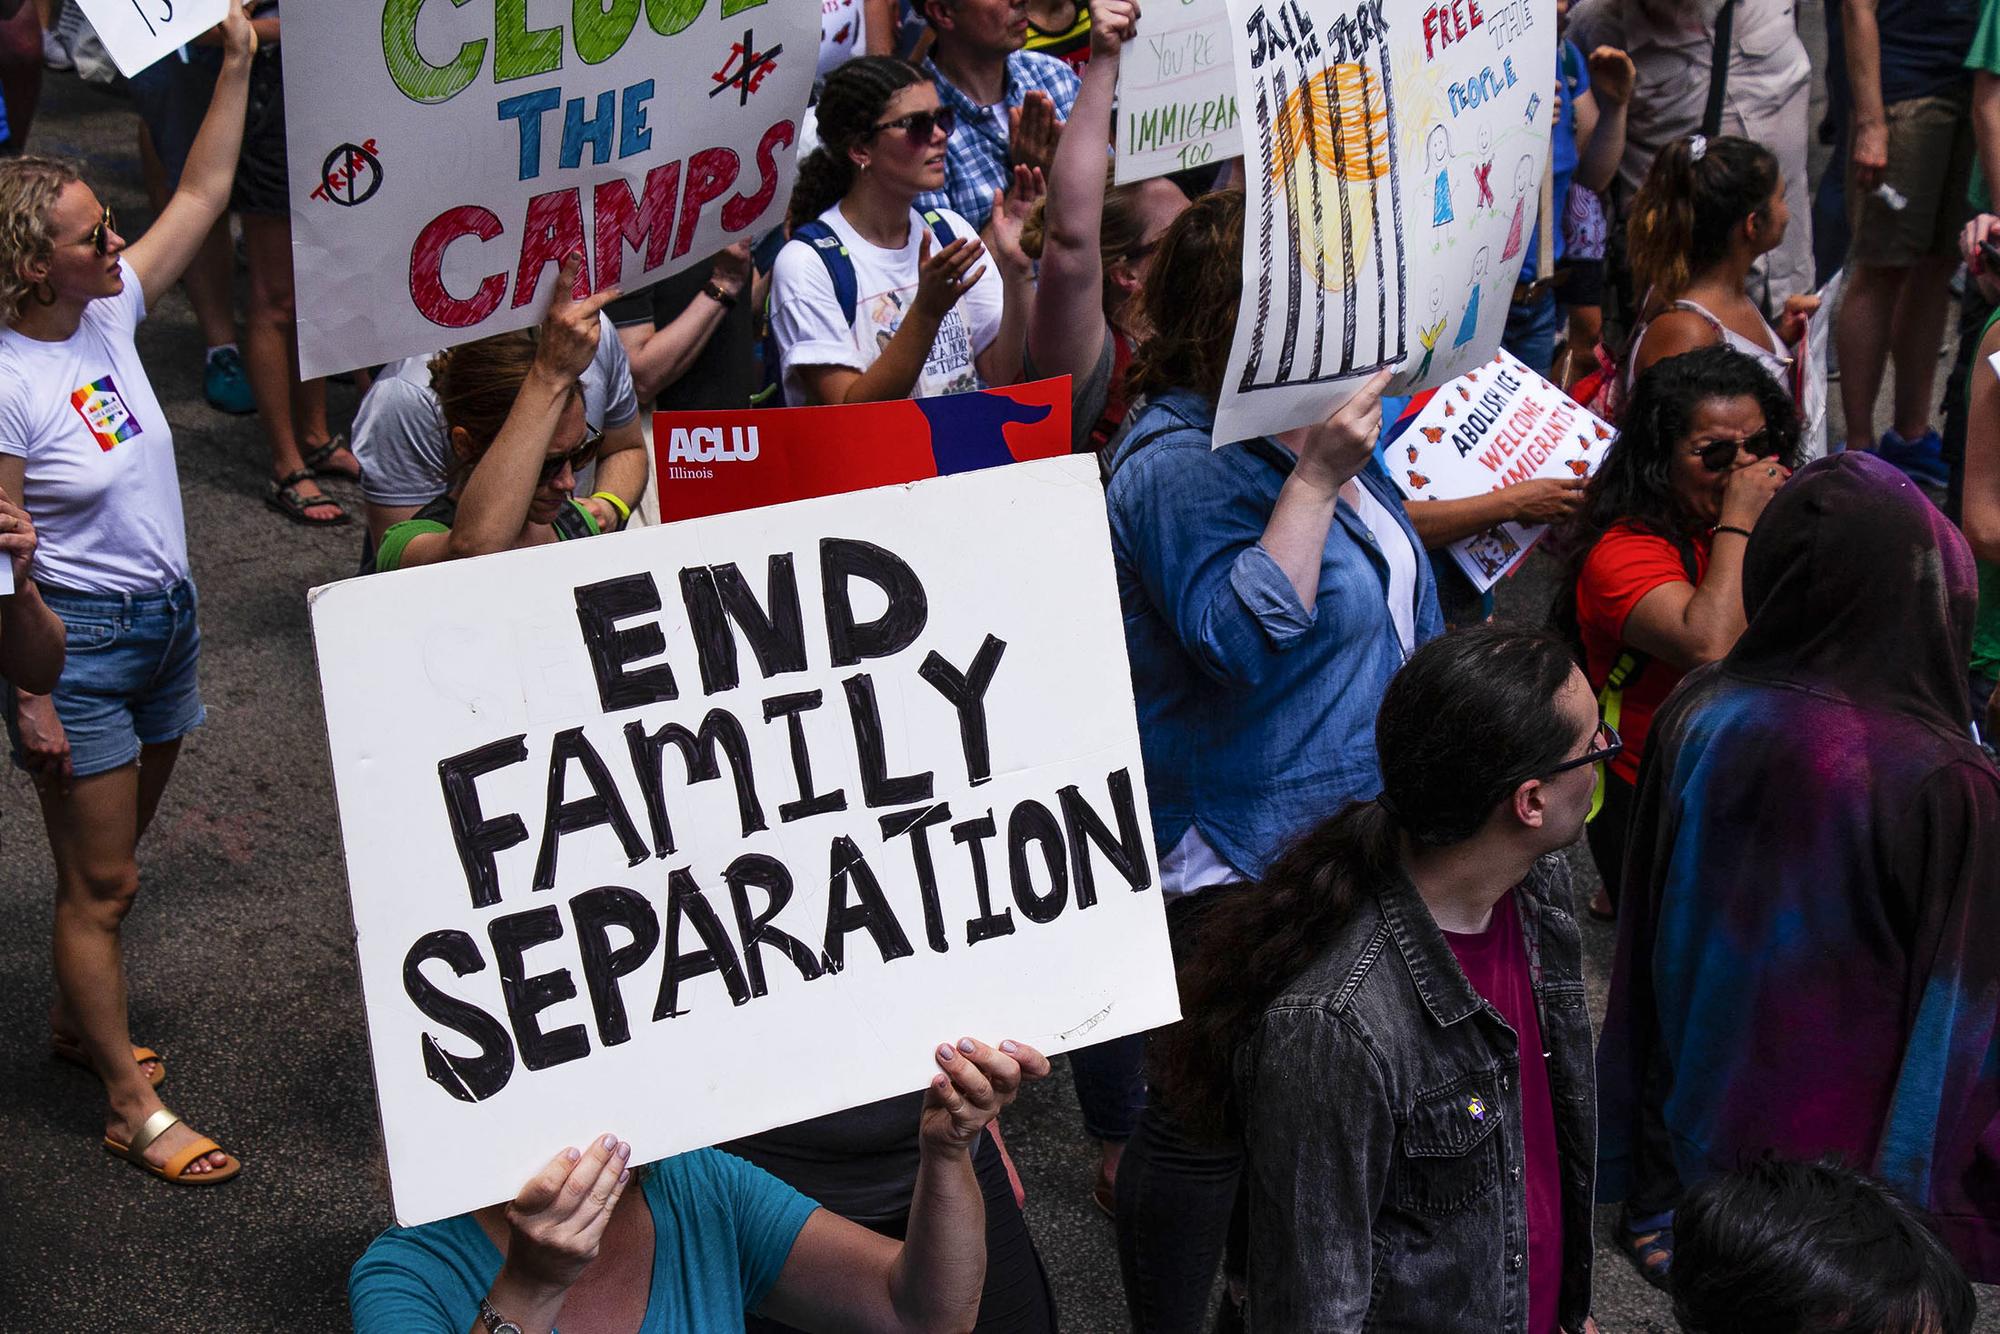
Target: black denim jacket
1382, 1122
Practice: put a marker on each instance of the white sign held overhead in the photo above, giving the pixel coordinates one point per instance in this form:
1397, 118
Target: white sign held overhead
638, 827
444, 158
1393, 155
1177, 92
136, 33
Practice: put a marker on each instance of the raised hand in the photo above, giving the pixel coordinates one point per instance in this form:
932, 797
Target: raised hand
1011, 210
1032, 131
570, 329
1113, 23
943, 278
974, 1084
1612, 75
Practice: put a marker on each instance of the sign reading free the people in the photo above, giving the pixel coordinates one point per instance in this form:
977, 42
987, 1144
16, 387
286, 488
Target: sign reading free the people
445, 155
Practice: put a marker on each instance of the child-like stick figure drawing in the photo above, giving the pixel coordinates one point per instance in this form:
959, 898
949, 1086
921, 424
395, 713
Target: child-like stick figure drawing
1483, 173
1523, 170
1429, 336
1468, 325
1437, 149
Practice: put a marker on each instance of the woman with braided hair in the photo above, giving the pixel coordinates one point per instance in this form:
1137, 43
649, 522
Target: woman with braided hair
871, 299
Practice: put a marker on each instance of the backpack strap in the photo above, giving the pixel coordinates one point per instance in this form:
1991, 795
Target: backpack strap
939, 225
832, 252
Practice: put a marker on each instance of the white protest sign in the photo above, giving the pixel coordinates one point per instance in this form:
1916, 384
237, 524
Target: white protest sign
1394, 156
446, 157
1177, 92
1813, 383
691, 831
1497, 425
138, 32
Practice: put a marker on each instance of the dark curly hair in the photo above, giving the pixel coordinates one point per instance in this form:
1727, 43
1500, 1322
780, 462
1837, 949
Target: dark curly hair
1190, 299
1635, 482
850, 104
1470, 717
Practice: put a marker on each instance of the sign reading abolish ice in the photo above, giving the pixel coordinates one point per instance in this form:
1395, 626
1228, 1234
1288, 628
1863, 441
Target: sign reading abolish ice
446, 156
639, 828
1177, 92
1394, 157
1496, 425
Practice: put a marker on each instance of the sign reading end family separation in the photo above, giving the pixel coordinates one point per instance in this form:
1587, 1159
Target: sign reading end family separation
445, 157
1393, 159
697, 830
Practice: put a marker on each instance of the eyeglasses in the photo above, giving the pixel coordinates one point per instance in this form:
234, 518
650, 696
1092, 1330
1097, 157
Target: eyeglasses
99, 237
1718, 455
1612, 744
577, 459
919, 126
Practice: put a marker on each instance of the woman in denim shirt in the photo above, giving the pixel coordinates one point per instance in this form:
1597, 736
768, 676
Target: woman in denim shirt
1270, 590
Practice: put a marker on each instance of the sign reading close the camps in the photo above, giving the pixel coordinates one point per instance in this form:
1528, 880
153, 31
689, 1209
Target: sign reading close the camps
1177, 92
1497, 425
1393, 155
716, 462
691, 831
445, 157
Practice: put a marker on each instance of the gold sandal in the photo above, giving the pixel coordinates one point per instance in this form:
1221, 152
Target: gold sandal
174, 1170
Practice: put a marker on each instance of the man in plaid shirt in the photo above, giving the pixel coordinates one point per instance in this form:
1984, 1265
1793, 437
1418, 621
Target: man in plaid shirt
1005, 99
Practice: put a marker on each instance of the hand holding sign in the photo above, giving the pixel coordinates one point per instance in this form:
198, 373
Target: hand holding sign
1340, 447
17, 542
1547, 499
557, 1222
1112, 24
976, 1085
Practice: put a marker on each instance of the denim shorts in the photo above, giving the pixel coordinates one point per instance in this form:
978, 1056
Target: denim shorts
129, 677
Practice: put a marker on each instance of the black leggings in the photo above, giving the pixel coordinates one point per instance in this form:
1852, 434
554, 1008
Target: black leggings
1017, 1298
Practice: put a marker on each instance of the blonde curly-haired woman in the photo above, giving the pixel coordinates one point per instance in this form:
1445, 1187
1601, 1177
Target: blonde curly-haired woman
87, 450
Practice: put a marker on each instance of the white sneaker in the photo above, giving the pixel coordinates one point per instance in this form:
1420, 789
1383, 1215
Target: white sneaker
55, 54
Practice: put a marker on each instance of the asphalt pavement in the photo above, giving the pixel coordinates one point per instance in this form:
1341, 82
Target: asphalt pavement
241, 961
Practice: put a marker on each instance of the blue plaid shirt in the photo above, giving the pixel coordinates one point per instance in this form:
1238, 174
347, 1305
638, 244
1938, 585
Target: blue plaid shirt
975, 157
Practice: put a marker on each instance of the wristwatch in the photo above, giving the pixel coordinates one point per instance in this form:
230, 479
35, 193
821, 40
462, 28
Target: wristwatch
494, 1324
715, 291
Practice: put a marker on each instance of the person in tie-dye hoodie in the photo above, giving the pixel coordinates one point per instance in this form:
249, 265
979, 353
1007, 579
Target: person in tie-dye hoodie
1811, 959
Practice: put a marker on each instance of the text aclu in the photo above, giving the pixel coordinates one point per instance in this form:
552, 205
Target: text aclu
706, 444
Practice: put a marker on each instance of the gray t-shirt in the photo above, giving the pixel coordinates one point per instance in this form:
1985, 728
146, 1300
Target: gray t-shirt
399, 431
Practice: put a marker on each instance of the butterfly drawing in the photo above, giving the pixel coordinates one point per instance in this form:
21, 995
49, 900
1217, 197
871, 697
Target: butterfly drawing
1432, 434
1418, 480
1450, 411
1413, 453
1603, 431
1581, 467
1472, 376
1465, 393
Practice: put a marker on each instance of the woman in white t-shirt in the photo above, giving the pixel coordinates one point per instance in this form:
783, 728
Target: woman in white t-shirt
85, 446
869, 301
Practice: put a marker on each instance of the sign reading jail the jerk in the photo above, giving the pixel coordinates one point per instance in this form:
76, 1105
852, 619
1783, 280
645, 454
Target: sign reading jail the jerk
1393, 155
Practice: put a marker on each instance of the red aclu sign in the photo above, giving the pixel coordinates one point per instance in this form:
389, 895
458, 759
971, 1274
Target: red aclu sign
716, 462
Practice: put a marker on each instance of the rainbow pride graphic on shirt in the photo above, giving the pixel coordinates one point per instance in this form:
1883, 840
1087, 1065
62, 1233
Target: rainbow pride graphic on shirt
103, 410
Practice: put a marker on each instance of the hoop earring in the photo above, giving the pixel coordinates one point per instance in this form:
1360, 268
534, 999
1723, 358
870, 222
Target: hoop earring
36, 292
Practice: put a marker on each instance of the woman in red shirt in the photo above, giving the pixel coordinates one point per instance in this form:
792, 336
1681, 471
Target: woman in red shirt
1709, 438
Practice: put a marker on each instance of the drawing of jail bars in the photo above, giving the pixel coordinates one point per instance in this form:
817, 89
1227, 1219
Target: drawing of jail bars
1328, 142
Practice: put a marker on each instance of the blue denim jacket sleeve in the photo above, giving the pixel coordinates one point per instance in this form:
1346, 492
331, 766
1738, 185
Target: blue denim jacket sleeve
1317, 1181
1190, 520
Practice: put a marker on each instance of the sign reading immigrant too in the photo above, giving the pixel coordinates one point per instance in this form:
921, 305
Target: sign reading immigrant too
445, 157
696, 830
1177, 93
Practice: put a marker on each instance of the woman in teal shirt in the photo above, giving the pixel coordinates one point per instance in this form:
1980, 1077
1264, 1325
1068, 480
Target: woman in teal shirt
715, 1238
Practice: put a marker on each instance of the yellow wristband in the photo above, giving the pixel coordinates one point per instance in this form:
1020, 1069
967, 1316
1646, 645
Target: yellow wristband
624, 510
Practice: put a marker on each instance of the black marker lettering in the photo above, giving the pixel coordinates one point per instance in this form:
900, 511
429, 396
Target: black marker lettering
467, 1078
988, 924
1083, 828
596, 911
842, 559
602, 806
513, 936
967, 693
877, 787
789, 707
917, 825
720, 731
599, 608
717, 594
1032, 822
851, 874
754, 869
477, 837
717, 954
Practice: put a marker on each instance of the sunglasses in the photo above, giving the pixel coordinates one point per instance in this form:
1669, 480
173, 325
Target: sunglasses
99, 237
1612, 743
919, 126
577, 459
1718, 455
